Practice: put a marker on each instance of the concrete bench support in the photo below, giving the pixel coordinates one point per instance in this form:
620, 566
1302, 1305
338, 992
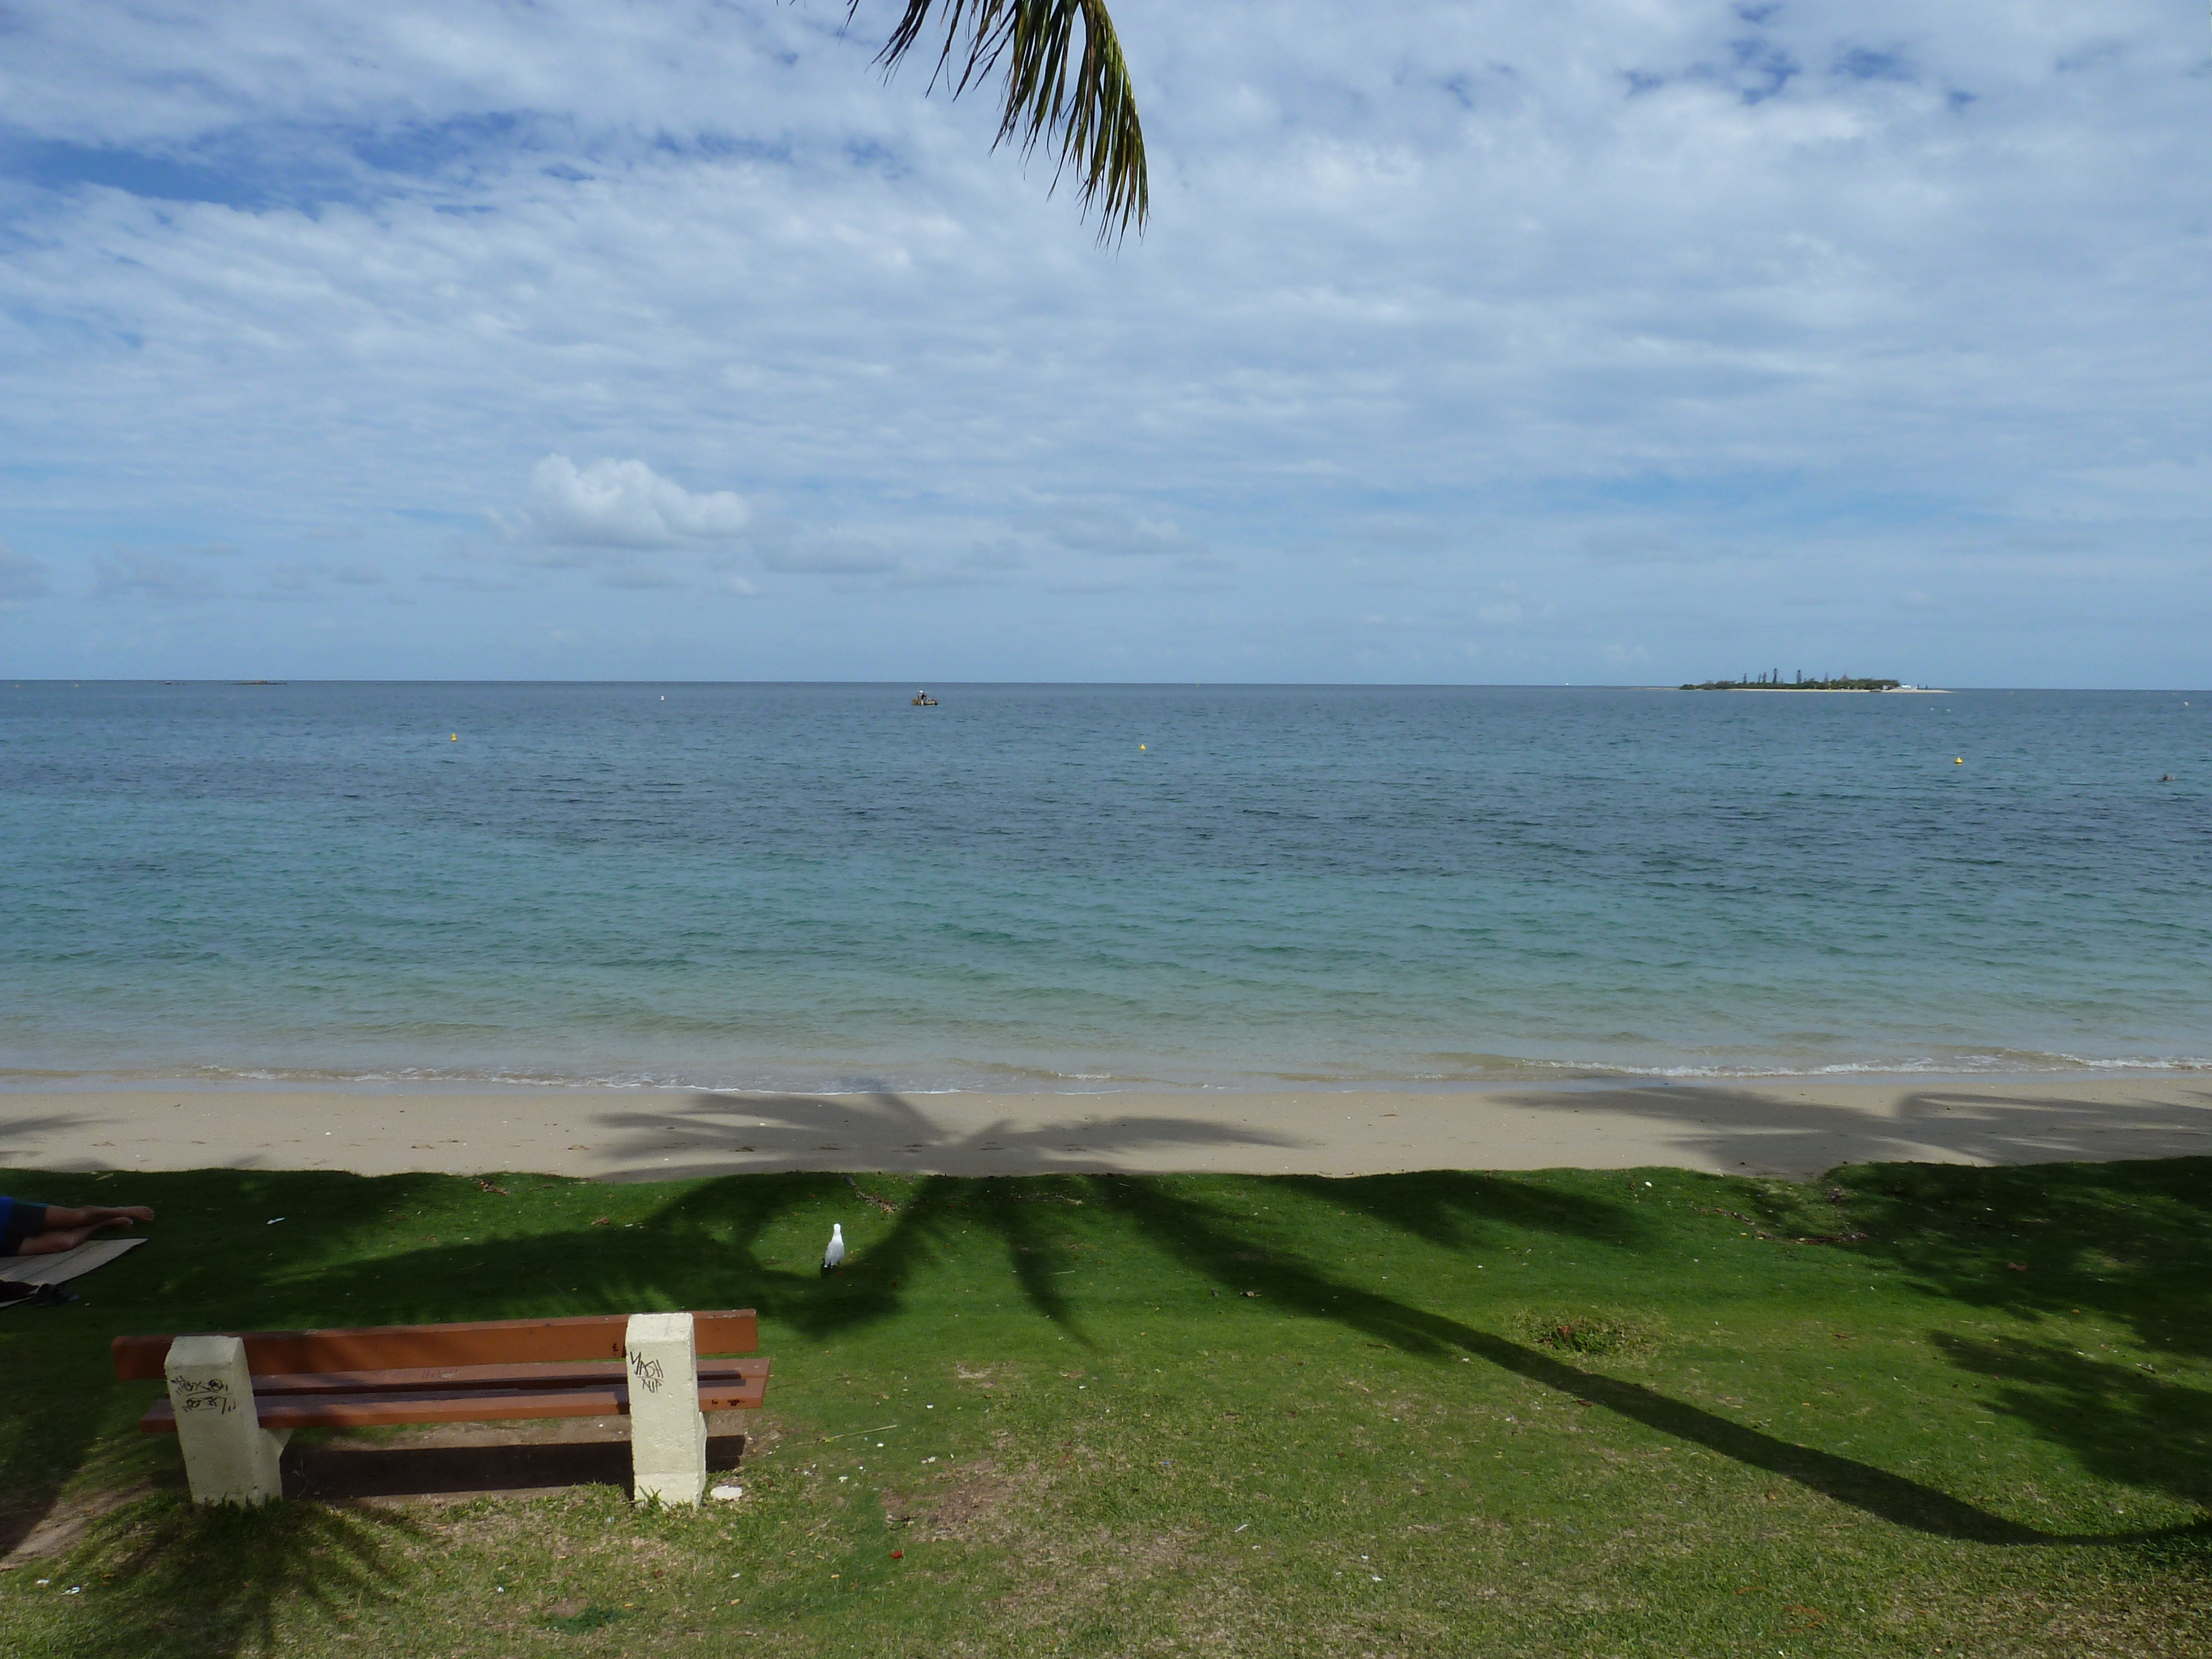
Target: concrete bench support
229, 1458
667, 1431
233, 1399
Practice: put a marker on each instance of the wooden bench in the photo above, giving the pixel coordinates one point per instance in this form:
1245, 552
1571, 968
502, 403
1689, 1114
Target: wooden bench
233, 1401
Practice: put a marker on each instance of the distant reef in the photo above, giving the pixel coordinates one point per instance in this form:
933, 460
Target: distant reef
1774, 682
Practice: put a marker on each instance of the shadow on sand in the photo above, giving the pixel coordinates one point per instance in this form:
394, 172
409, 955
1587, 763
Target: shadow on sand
723, 1135
1737, 1128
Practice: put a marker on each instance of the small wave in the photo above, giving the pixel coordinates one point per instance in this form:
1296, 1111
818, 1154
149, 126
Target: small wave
941, 1077
2003, 1064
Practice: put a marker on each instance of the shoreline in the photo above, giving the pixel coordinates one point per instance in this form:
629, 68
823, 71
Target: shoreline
1791, 1127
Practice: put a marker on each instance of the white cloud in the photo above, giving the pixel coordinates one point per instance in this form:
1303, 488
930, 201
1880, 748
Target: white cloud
1579, 295
622, 504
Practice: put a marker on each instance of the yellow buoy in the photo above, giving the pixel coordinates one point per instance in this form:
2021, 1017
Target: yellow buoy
1141, 749
456, 737
1961, 761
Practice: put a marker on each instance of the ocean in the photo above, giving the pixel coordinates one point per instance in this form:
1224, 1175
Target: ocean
1095, 888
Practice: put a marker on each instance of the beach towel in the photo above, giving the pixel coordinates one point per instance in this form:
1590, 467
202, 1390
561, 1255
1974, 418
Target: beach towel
58, 1268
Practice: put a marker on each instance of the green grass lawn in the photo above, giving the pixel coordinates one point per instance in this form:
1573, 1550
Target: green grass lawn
1568, 1412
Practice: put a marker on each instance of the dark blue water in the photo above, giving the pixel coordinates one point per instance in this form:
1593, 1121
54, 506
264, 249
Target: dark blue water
819, 886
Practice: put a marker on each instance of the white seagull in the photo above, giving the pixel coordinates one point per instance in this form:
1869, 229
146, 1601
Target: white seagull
834, 1257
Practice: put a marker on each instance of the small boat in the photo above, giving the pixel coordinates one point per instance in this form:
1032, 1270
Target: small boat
923, 699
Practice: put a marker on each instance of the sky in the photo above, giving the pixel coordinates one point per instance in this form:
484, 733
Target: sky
1540, 341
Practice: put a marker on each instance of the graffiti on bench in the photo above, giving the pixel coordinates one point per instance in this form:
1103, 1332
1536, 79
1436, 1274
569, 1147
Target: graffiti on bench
208, 1394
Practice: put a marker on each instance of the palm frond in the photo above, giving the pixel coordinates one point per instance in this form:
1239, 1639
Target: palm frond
1081, 100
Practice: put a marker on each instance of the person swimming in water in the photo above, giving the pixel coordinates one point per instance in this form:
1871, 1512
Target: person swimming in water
28, 1228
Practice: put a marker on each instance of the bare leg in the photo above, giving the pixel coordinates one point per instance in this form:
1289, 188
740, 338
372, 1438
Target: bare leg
61, 1218
66, 1228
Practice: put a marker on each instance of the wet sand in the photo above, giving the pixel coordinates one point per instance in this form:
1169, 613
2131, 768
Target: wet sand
1783, 1127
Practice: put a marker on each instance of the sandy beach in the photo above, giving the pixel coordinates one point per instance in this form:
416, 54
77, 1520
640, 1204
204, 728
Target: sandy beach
1783, 1127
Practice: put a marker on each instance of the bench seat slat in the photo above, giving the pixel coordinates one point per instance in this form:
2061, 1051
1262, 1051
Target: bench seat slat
371, 1408
528, 1378
485, 1342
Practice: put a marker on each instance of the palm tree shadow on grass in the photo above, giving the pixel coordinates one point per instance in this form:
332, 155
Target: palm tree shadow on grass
1450, 1207
2125, 1423
223, 1580
2131, 1241
2127, 1244
1443, 1209
740, 1208
1194, 1233
703, 1249
59, 1375
706, 1248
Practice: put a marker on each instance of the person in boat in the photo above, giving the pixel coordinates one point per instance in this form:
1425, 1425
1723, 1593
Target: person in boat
29, 1228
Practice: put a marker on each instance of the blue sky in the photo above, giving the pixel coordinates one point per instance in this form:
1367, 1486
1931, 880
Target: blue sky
1587, 340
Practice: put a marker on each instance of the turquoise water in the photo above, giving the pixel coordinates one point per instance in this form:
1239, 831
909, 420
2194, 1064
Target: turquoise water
819, 887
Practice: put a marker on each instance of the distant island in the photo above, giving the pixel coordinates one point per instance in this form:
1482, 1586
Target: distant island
1774, 682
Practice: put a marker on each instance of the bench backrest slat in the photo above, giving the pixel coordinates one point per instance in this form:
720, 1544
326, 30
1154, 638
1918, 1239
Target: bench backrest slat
489, 1342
